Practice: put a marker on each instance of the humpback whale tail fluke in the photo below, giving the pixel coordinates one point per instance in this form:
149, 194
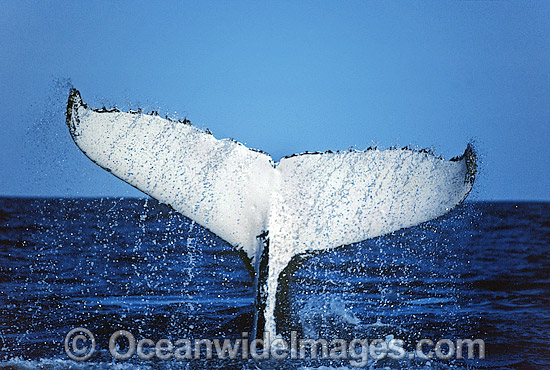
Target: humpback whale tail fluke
272, 213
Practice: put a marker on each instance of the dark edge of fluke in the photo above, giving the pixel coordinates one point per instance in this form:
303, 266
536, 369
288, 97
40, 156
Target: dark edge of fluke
75, 101
470, 157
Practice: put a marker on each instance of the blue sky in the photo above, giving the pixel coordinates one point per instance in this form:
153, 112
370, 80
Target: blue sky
284, 77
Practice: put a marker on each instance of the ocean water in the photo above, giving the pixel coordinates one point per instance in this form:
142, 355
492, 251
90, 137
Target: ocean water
480, 272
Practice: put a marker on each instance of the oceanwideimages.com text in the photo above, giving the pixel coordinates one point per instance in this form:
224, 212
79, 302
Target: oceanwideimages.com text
80, 344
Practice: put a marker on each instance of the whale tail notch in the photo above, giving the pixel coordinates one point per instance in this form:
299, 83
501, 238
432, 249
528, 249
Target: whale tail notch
303, 204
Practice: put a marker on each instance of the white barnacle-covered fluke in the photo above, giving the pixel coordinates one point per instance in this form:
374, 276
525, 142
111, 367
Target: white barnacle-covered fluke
271, 211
